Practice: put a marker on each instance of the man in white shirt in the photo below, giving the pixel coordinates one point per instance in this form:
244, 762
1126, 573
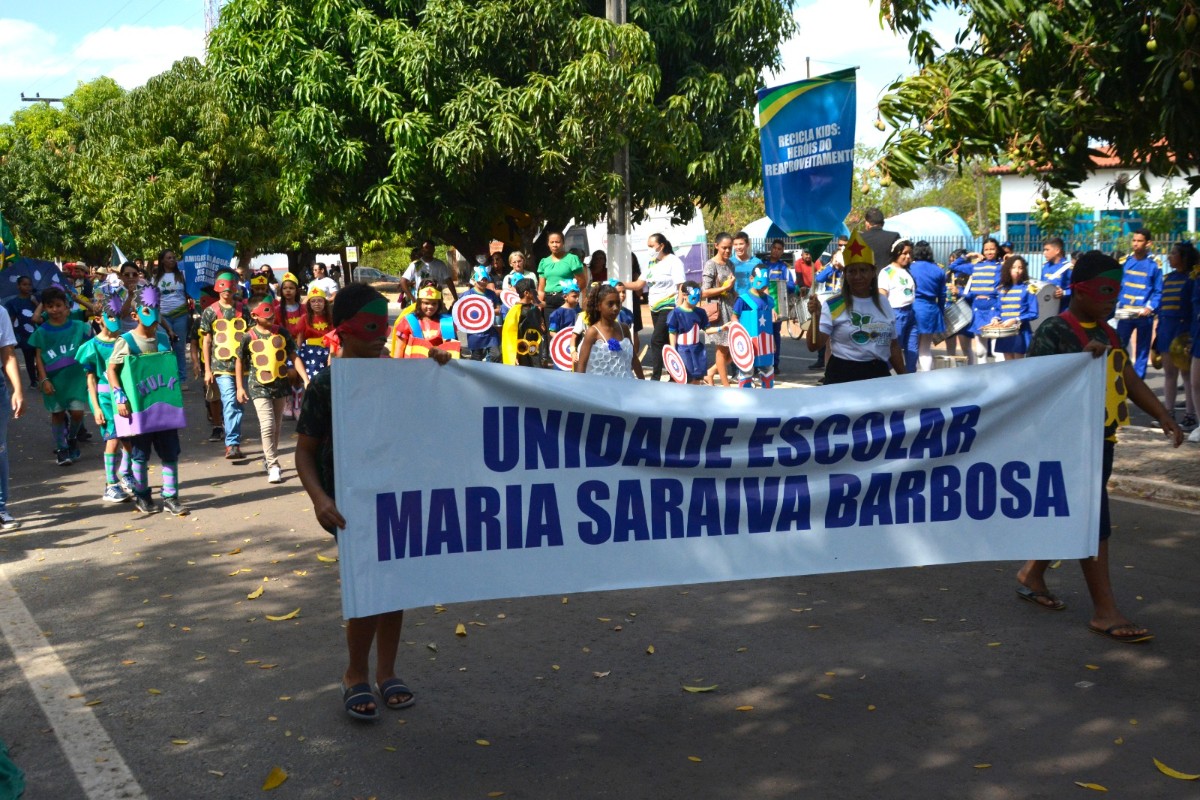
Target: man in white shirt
322, 280
426, 267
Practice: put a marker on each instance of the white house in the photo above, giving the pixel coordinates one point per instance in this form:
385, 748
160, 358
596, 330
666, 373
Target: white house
1020, 193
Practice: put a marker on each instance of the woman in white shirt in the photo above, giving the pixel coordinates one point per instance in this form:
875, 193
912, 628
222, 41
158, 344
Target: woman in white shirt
858, 324
173, 307
663, 276
897, 283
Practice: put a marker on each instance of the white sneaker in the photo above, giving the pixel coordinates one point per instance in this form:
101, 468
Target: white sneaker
274, 475
7, 523
1194, 436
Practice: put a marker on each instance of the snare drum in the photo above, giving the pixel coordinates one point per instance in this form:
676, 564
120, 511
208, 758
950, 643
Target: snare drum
998, 333
958, 317
1129, 312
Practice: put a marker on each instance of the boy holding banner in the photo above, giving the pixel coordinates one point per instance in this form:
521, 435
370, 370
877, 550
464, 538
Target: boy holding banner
144, 375
360, 322
1095, 288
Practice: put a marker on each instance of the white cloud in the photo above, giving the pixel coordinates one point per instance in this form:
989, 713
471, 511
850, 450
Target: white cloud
131, 55
28, 52
32, 59
836, 34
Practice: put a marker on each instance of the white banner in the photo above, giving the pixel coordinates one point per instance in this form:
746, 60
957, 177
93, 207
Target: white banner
475, 481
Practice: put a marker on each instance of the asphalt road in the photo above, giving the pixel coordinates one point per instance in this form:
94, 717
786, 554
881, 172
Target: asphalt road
133, 665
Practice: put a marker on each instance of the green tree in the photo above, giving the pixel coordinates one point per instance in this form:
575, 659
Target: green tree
444, 117
1035, 82
740, 205
1058, 213
168, 159
38, 153
1161, 216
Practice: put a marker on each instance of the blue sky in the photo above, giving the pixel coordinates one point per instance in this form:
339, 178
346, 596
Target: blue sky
51, 45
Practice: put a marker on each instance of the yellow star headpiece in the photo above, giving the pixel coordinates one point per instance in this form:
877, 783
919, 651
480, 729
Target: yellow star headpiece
429, 293
857, 251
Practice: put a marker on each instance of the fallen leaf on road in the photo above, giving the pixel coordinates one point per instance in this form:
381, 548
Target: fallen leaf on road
604, 674
1090, 666
1174, 773
1093, 786
154, 691
235, 551
93, 702
604, 619
141, 624
479, 624
439, 609
432, 646
257, 593
983, 766
460, 630
993, 644
495, 794
698, 689
483, 742
275, 779
179, 741
696, 759
564, 601
326, 559
650, 650
744, 708
825, 696
218, 774
289, 615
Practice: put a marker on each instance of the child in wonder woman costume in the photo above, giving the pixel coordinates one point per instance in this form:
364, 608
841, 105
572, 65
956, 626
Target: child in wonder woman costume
428, 331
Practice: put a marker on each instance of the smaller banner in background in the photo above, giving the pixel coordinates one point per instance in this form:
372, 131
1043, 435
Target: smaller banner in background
201, 258
806, 130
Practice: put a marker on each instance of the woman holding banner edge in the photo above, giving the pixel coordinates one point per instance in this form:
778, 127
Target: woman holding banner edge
858, 324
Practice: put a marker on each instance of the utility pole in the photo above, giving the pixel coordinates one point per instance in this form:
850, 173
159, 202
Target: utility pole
37, 98
618, 205
212, 15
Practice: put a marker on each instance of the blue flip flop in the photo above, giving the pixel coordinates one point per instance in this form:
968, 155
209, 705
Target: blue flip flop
392, 687
359, 695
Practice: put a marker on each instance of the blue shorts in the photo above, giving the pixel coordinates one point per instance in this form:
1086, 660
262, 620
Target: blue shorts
165, 443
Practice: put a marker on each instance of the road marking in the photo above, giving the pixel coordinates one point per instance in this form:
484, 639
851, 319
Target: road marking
98, 766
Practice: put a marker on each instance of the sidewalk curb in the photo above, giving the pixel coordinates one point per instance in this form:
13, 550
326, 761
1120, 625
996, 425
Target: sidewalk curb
1149, 489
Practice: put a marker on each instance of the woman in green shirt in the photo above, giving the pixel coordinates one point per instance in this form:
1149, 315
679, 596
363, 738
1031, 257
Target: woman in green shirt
555, 268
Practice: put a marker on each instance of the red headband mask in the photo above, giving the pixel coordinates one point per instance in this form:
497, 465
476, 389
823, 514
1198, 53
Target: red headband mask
1099, 289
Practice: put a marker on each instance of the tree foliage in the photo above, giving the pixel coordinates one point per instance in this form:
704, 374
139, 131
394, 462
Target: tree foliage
1039, 82
967, 191
38, 157
167, 159
446, 116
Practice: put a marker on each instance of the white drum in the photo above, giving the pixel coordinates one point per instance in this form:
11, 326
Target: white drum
1048, 305
1129, 312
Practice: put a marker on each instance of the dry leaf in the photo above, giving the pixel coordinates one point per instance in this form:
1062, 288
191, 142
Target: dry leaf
650, 650
696, 759
993, 644
432, 646
1090, 666
75, 696
825, 696
1094, 786
495, 794
389, 748
741, 649
744, 708
93, 702
604, 619
479, 624
128, 662
290, 615
483, 742
218, 774
983, 766
602, 674
698, 689
564, 601
141, 624
257, 593
460, 630
235, 551
1174, 773
275, 779
870, 708
154, 691
179, 741
1119, 740
326, 559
